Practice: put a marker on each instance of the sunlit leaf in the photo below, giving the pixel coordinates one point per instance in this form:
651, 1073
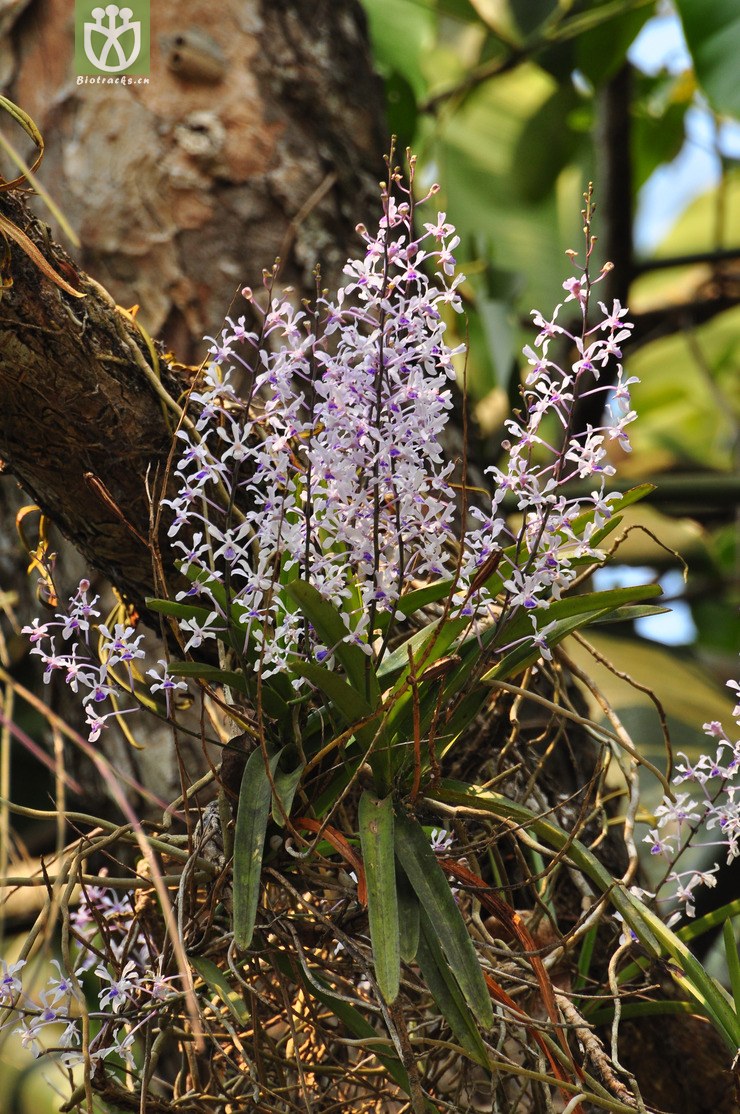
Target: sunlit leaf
712, 33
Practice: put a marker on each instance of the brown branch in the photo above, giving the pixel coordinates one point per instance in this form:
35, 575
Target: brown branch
83, 419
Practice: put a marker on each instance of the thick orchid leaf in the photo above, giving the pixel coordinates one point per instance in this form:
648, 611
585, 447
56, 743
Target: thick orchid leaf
585, 518
427, 646
211, 674
586, 603
630, 613
273, 704
376, 826
347, 700
733, 961
420, 866
408, 916
443, 986
568, 615
420, 598
253, 813
216, 981
328, 624
179, 610
286, 785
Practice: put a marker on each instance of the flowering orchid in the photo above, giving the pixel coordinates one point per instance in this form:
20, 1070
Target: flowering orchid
716, 810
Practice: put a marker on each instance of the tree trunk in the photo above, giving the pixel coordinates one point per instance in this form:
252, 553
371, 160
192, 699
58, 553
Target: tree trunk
259, 134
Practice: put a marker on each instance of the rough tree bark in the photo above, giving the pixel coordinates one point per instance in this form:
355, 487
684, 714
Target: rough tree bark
259, 134
83, 427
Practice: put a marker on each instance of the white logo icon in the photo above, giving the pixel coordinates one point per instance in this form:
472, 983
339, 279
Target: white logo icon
107, 38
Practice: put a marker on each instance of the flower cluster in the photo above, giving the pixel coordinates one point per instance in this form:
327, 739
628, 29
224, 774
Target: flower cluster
84, 668
338, 456
87, 667
130, 984
715, 810
536, 472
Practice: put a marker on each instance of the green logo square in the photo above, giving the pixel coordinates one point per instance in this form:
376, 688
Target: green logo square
112, 40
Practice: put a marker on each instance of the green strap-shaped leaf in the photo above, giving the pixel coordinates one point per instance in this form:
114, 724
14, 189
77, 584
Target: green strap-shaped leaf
351, 705
435, 639
376, 823
215, 979
408, 916
178, 610
272, 703
435, 896
249, 841
446, 993
733, 961
211, 674
328, 624
286, 784
647, 926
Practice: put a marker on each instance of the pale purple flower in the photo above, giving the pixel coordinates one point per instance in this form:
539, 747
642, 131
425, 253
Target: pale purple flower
10, 982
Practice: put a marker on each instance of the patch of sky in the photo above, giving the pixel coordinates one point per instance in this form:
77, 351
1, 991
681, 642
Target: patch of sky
661, 47
676, 627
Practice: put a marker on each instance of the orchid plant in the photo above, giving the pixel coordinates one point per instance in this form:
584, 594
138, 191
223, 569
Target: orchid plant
353, 605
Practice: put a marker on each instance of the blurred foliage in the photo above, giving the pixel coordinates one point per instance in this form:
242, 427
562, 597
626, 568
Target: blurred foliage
513, 106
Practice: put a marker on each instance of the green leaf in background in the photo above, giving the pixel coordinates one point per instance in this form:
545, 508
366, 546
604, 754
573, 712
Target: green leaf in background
658, 123
253, 812
475, 152
689, 407
403, 33
420, 866
376, 826
690, 695
546, 144
600, 51
712, 30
